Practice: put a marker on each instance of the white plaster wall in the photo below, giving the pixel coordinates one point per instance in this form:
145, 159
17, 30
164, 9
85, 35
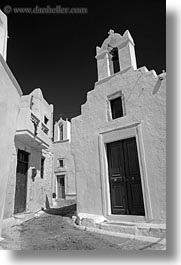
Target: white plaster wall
68, 130
3, 34
103, 68
125, 56
48, 177
10, 93
10, 192
145, 103
56, 132
40, 108
39, 191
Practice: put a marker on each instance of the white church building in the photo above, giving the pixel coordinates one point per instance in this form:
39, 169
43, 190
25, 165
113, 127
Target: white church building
119, 140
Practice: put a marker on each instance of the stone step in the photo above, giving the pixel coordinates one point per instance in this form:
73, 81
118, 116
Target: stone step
23, 216
136, 229
16, 219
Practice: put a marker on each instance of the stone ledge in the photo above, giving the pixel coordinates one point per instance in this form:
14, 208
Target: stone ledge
133, 229
161, 241
150, 230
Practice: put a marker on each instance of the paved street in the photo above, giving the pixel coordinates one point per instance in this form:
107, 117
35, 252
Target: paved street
57, 232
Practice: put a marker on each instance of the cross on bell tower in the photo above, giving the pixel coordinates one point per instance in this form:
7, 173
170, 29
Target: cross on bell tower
111, 31
115, 55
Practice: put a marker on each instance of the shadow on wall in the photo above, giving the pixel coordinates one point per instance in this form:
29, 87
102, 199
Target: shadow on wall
47, 204
67, 211
35, 166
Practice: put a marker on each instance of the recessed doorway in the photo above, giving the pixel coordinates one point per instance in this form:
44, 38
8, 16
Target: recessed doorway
124, 178
21, 182
61, 186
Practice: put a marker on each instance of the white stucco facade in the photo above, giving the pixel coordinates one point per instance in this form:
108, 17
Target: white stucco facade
10, 94
143, 96
3, 35
36, 141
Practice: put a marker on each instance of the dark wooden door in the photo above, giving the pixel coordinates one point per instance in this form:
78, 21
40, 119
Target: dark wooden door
21, 182
124, 178
61, 186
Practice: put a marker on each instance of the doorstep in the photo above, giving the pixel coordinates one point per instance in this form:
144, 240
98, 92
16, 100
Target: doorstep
22, 217
19, 218
136, 229
154, 230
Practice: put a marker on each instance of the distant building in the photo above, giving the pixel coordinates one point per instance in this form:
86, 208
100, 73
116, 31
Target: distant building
64, 169
30, 175
119, 140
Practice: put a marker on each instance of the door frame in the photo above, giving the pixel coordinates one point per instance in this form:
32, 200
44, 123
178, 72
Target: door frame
117, 134
57, 185
61, 174
27, 175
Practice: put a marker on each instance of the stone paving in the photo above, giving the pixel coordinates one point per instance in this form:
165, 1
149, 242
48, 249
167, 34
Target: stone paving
51, 231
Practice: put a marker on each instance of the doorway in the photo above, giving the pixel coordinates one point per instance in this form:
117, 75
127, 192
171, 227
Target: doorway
61, 186
21, 182
124, 178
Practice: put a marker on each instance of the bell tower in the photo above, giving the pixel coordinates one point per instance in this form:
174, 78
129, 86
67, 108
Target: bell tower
117, 53
3, 35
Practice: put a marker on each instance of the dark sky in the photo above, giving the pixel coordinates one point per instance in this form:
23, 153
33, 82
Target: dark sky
56, 52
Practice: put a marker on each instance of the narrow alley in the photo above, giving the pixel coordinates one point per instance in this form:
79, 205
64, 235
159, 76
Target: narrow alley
54, 229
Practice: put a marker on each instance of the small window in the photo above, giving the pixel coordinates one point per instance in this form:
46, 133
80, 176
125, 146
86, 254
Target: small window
115, 59
42, 167
46, 120
60, 162
31, 102
116, 108
61, 132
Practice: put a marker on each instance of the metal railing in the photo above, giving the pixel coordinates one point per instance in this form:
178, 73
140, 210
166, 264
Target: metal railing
44, 128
